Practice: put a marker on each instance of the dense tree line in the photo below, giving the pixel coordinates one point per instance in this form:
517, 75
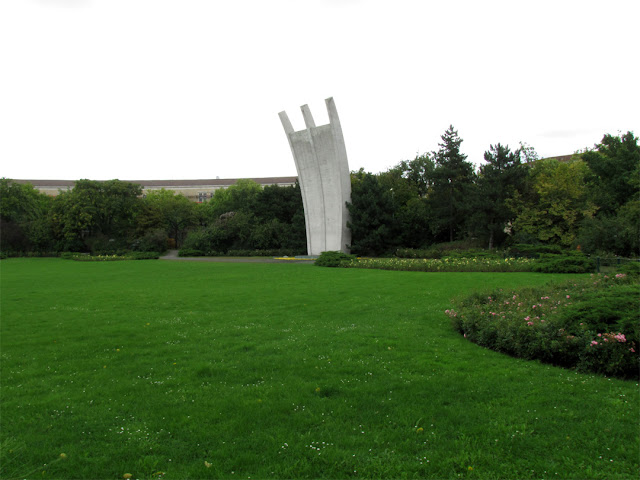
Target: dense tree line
590, 203
114, 216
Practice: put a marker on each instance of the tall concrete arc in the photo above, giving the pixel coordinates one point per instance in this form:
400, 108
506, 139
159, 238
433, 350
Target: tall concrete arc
320, 156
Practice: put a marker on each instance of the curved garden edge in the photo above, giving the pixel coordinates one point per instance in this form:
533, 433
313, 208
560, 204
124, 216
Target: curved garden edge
588, 324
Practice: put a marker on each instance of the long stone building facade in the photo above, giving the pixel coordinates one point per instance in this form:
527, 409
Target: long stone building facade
195, 190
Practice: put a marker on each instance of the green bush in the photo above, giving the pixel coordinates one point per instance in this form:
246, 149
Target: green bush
533, 251
447, 264
190, 252
630, 268
589, 324
567, 263
152, 241
143, 255
433, 252
333, 259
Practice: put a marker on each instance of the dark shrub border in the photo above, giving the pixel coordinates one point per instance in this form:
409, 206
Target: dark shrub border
588, 324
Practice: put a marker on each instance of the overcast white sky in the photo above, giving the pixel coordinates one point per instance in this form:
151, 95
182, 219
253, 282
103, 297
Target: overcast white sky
189, 89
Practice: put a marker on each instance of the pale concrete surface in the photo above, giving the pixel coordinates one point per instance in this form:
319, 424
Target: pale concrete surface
320, 156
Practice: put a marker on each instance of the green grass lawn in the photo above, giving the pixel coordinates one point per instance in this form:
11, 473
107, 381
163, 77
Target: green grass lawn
283, 371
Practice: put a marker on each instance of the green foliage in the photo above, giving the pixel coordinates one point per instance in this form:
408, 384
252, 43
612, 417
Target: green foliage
371, 215
165, 210
241, 196
614, 172
589, 324
142, 255
333, 259
498, 182
95, 209
560, 202
534, 251
618, 234
192, 252
153, 240
24, 222
630, 268
567, 263
83, 257
446, 264
452, 187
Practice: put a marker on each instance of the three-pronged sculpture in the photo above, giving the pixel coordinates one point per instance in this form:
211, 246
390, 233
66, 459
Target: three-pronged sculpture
323, 172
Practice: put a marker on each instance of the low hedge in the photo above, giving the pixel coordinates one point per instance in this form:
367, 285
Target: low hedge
192, 252
83, 257
567, 263
587, 324
333, 259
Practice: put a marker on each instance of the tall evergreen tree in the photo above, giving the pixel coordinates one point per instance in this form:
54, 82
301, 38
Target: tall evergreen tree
371, 211
499, 179
453, 183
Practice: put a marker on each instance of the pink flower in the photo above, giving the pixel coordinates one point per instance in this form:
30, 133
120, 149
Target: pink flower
593, 342
529, 323
568, 296
632, 350
599, 334
620, 337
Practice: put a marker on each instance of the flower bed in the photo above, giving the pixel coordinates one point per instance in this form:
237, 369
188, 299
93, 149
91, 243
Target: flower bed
449, 264
589, 324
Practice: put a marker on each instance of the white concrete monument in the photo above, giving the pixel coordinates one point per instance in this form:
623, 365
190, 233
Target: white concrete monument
323, 172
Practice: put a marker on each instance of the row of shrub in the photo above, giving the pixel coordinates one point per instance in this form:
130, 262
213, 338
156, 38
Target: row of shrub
590, 324
15, 254
282, 252
82, 257
446, 264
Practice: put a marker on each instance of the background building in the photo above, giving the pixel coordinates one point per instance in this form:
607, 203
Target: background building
195, 190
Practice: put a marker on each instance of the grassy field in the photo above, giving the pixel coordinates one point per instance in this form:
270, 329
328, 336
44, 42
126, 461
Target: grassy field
163, 369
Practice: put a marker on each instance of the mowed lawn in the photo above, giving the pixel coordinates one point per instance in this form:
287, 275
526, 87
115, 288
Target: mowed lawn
172, 369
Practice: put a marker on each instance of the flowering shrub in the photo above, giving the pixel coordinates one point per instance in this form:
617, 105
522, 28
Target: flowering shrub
81, 257
448, 264
589, 324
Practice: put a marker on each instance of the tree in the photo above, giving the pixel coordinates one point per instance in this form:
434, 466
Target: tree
175, 214
409, 184
453, 183
614, 172
24, 220
241, 196
498, 180
371, 211
560, 202
94, 210
614, 187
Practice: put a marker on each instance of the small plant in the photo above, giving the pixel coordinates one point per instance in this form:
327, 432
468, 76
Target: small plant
566, 263
190, 252
333, 259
